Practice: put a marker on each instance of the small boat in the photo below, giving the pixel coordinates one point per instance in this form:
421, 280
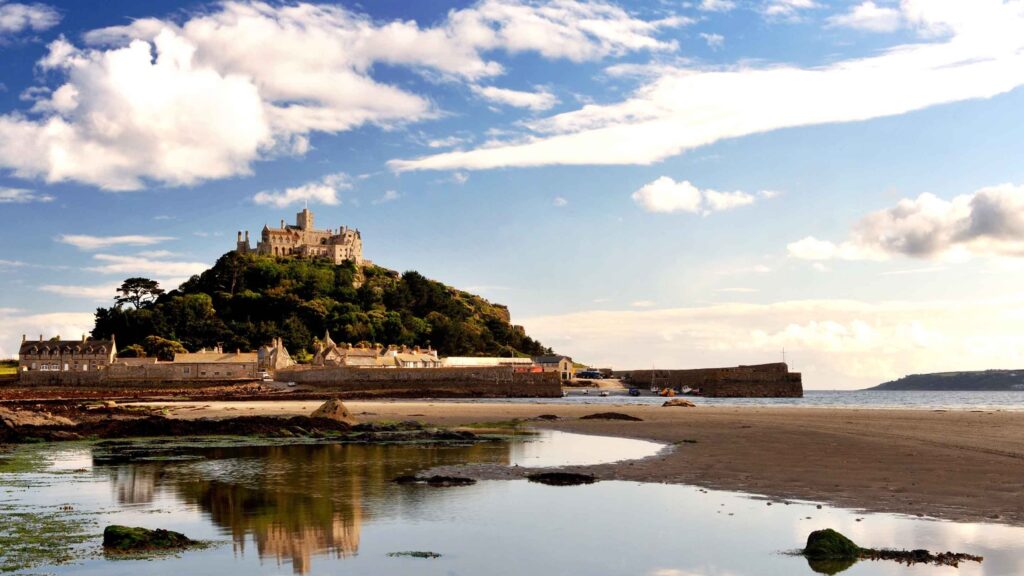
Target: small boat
654, 389
685, 390
667, 392
634, 391
603, 394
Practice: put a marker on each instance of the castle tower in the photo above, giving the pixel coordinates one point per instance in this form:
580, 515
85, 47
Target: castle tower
242, 246
304, 219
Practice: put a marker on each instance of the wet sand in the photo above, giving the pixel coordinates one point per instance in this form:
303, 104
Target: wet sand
957, 465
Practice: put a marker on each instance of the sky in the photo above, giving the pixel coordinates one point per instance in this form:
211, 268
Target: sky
659, 183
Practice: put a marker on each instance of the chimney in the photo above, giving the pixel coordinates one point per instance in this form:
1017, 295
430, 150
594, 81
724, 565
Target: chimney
40, 337
282, 223
84, 338
239, 235
246, 236
23, 338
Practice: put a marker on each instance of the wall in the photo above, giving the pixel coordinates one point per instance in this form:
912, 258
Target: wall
759, 381
485, 382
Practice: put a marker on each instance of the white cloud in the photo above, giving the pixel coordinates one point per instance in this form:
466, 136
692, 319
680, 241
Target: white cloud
140, 264
787, 8
181, 102
16, 17
835, 343
643, 304
323, 191
92, 292
537, 101
447, 142
988, 223
22, 196
86, 242
714, 41
14, 324
972, 50
717, 5
870, 17
559, 202
388, 196
665, 195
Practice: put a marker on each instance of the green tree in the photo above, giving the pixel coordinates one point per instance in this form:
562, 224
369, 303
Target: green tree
133, 351
138, 292
162, 348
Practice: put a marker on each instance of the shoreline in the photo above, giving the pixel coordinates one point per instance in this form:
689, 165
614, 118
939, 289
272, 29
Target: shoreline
952, 465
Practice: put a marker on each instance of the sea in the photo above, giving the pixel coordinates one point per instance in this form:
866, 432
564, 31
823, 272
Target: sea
877, 399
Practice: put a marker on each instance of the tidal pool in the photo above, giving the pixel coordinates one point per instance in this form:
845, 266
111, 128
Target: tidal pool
331, 509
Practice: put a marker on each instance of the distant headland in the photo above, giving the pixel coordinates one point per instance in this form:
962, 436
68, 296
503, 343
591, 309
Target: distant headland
983, 380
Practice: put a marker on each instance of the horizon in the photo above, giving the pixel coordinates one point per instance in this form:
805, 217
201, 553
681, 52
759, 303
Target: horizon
680, 185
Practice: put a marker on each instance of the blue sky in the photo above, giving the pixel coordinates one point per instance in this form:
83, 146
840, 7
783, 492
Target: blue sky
676, 184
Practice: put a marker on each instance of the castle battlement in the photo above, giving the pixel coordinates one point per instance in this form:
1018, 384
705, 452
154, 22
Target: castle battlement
303, 240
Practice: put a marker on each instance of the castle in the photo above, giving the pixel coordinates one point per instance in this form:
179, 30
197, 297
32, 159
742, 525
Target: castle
302, 239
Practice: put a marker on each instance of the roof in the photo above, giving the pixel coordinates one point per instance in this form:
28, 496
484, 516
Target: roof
483, 361
68, 346
550, 359
215, 358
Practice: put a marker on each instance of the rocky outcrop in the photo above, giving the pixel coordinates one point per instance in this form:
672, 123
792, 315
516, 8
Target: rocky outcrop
611, 416
335, 409
680, 402
131, 539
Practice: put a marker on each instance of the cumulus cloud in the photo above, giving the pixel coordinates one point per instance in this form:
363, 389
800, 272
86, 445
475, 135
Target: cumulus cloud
181, 102
667, 196
87, 242
835, 343
150, 265
16, 18
14, 324
968, 50
539, 100
987, 222
868, 16
22, 196
323, 191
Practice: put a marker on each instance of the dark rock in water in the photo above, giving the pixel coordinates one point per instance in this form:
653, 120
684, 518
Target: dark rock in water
831, 545
548, 417
829, 552
611, 416
561, 478
435, 481
132, 539
414, 554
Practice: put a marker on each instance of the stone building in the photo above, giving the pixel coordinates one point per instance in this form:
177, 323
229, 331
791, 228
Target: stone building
329, 353
274, 356
302, 239
555, 363
215, 365
56, 355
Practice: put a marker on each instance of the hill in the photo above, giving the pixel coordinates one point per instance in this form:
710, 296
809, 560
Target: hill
993, 380
246, 300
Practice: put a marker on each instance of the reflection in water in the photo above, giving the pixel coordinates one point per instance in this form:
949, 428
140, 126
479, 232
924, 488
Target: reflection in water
294, 501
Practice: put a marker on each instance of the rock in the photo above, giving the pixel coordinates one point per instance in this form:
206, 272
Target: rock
414, 554
611, 416
435, 481
110, 404
828, 544
681, 402
561, 478
131, 539
18, 418
334, 409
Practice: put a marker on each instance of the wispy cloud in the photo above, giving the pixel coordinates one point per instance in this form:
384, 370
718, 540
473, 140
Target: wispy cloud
16, 17
22, 196
139, 264
388, 196
537, 101
86, 242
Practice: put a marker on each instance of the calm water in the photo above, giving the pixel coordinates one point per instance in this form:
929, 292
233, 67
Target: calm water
330, 509
828, 398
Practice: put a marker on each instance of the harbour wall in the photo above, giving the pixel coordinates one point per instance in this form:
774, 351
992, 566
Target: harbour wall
757, 381
485, 382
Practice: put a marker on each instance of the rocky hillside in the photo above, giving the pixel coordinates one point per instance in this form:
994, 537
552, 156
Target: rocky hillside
245, 300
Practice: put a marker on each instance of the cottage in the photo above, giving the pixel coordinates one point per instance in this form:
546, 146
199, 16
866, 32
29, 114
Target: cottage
215, 365
274, 356
56, 355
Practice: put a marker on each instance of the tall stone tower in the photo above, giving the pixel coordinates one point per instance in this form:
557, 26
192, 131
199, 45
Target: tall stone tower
304, 219
243, 246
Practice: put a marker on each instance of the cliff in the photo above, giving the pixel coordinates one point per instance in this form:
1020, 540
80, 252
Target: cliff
985, 380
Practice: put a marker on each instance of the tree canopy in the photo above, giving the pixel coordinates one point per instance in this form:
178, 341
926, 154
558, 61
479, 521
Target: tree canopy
138, 292
245, 300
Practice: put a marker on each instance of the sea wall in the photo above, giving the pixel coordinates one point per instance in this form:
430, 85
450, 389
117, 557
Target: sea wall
757, 381
487, 382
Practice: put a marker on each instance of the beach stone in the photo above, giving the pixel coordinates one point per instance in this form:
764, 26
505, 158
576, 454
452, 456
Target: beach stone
18, 418
334, 409
829, 544
681, 402
561, 478
611, 416
127, 539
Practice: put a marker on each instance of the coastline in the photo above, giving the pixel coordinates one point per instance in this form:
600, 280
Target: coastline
955, 464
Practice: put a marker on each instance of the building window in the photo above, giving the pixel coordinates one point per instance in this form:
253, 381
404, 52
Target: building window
186, 370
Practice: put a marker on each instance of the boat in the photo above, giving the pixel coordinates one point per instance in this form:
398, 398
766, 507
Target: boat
667, 392
634, 391
603, 394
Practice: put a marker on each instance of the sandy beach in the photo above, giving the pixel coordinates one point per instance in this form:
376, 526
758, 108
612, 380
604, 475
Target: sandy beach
957, 465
